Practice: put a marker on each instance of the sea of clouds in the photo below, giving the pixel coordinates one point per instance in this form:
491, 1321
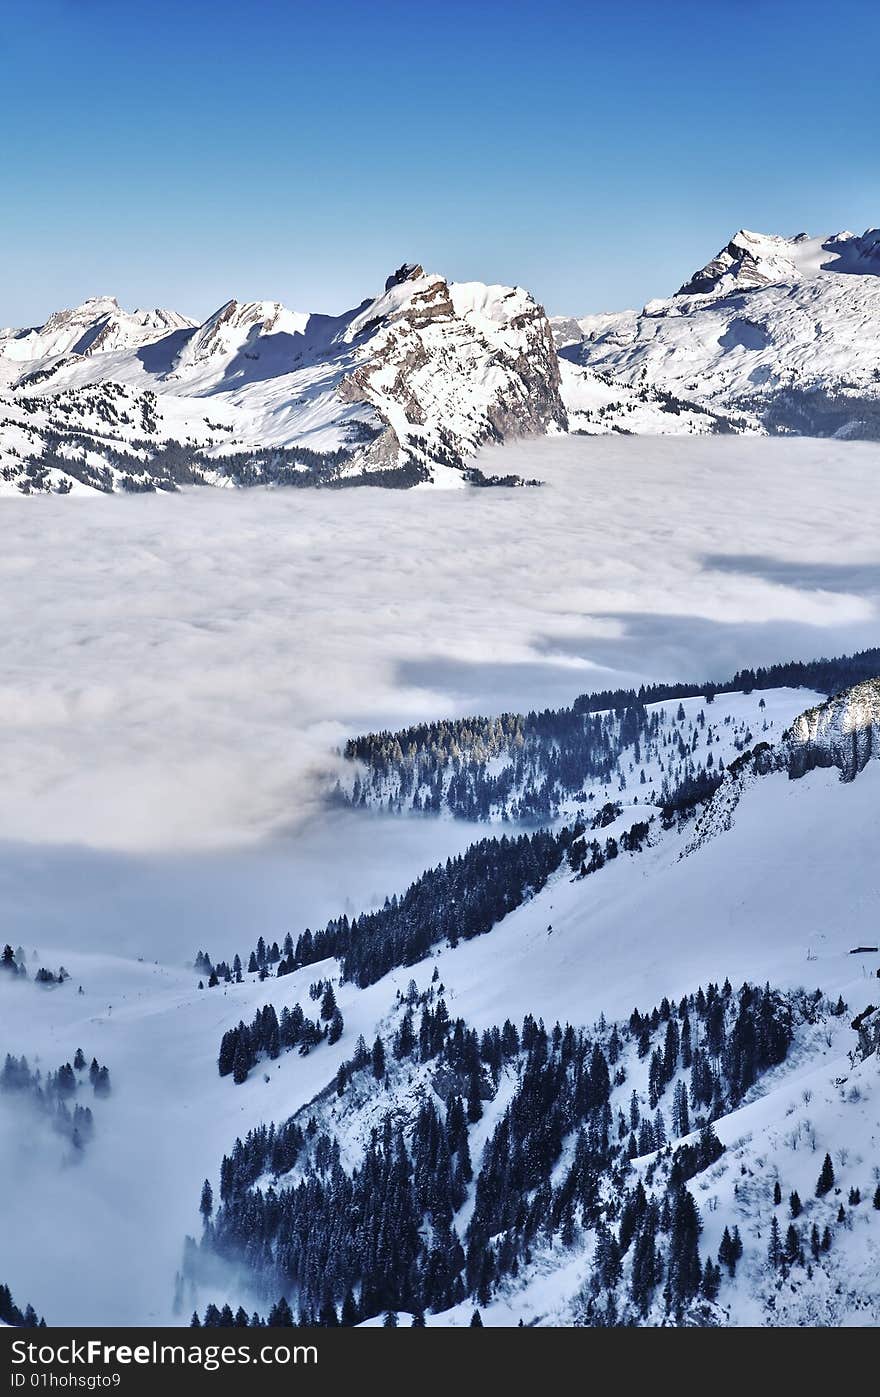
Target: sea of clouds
178, 670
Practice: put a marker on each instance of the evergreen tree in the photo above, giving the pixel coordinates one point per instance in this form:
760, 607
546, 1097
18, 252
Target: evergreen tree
792, 1245
680, 1114
685, 1272
349, 1315
825, 1182
727, 1252
206, 1206
281, 1315
711, 1280
241, 1064
328, 1003
774, 1249
378, 1061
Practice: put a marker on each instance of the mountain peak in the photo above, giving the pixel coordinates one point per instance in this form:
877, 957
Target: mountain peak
407, 271
86, 313
749, 260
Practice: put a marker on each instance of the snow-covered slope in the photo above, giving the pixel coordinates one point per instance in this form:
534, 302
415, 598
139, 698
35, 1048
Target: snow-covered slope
841, 733
403, 389
782, 894
782, 334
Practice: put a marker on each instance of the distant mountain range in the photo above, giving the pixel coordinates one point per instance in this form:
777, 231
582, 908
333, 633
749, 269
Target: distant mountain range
776, 334
772, 336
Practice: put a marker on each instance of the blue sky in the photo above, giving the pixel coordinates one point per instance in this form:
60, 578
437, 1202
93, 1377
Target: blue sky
180, 154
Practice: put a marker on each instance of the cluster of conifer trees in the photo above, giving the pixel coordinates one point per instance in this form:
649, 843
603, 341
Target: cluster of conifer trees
346, 1244
14, 963
54, 1093
11, 1314
242, 1047
550, 756
463, 898
146, 465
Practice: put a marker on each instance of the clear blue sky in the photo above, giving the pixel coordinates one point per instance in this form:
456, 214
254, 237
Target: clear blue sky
180, 154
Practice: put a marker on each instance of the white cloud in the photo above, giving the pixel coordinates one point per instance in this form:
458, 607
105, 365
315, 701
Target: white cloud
177, 670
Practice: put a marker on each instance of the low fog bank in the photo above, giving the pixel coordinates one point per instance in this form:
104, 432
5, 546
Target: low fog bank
177, 670
166, 906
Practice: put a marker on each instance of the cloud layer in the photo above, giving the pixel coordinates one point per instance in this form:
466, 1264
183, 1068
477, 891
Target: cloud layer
178, 670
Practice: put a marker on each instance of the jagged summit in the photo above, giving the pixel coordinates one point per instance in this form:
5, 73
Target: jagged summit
753, 260
408, 271
749, 260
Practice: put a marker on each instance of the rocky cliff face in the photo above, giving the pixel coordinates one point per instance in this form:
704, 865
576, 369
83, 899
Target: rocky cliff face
448, 367
844, 732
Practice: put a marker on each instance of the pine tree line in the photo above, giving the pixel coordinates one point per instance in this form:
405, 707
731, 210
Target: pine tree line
463, 898
552, 754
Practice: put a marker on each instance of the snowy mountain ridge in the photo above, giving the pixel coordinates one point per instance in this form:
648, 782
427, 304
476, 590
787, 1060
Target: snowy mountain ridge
772, 336
783, 333
402, 389
96, 326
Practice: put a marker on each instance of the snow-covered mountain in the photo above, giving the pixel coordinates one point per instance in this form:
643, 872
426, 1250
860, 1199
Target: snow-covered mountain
97, 326
543, 1136
773, 335
401, 390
